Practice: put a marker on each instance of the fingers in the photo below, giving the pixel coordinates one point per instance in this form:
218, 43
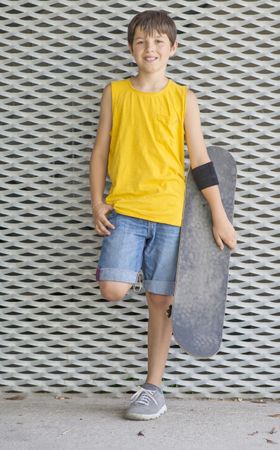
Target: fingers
101, 225
218, 240
102, 230
107, 223
232, 243
220, 244
229, 240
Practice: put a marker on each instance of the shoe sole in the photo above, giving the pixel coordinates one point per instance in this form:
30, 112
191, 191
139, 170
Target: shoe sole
135, 416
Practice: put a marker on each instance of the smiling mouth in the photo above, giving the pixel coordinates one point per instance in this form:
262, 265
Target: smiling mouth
150, 59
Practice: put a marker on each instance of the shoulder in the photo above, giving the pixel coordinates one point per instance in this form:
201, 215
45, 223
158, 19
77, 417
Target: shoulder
184, 91
188, 94
191, 95
191, 102
119, 84
192, 111
113, 84
107, 94
178, 86
116, 87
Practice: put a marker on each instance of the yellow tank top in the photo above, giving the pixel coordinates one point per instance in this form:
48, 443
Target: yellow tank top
146, 157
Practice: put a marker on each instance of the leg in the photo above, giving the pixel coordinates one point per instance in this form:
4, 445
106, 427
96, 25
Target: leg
159, 268
121, 256
114, 290
149, 402
160, 265
159, 336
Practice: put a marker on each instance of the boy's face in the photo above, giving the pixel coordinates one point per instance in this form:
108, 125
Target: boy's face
151, 52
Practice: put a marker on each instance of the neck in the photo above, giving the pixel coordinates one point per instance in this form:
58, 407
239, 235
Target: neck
149, 82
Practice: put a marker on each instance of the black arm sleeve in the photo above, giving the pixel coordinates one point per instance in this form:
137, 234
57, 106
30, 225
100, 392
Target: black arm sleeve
205, 175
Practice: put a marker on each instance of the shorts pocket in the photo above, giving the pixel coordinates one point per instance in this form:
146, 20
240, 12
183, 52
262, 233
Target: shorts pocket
111, 214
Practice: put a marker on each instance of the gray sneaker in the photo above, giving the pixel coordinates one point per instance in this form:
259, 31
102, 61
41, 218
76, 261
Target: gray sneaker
146, 404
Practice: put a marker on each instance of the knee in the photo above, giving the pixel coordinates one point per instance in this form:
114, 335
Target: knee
113, 291
159, 301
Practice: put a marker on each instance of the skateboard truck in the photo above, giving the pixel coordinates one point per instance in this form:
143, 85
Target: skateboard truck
168, 311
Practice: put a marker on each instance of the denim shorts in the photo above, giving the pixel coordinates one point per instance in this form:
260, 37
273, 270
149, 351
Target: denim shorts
139, 245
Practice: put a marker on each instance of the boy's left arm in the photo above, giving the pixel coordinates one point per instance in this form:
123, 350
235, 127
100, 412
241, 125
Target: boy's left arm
223, 230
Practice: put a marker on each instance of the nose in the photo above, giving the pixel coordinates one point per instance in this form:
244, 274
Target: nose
149, 45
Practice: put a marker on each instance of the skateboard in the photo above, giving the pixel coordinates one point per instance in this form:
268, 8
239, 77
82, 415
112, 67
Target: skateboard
202, 268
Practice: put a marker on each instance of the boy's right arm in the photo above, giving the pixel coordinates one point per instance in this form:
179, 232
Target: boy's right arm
99, 162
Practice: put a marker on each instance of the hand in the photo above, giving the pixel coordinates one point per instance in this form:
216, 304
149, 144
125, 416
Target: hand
223, 230
100, 219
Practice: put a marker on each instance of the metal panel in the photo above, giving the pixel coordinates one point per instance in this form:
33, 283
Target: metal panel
58, 334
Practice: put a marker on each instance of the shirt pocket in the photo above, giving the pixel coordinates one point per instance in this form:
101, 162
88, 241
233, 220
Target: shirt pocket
167, 119
166, 127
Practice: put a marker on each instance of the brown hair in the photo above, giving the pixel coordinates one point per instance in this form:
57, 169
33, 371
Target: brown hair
150, 21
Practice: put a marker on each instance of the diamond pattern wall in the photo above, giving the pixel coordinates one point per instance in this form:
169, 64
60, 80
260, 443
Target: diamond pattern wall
57, 333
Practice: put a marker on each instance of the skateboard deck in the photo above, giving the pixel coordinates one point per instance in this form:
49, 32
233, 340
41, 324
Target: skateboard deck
202, 268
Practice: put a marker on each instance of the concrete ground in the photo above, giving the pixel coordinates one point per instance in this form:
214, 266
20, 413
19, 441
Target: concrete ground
74, 422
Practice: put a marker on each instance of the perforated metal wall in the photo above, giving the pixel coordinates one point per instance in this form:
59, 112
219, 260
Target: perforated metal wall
57, 333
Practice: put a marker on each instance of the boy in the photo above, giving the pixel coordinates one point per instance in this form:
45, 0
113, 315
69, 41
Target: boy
144, 121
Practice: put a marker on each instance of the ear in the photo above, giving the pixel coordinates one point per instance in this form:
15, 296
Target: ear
174, 48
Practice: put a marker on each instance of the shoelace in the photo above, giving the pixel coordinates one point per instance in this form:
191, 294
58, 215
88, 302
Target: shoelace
145, 396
